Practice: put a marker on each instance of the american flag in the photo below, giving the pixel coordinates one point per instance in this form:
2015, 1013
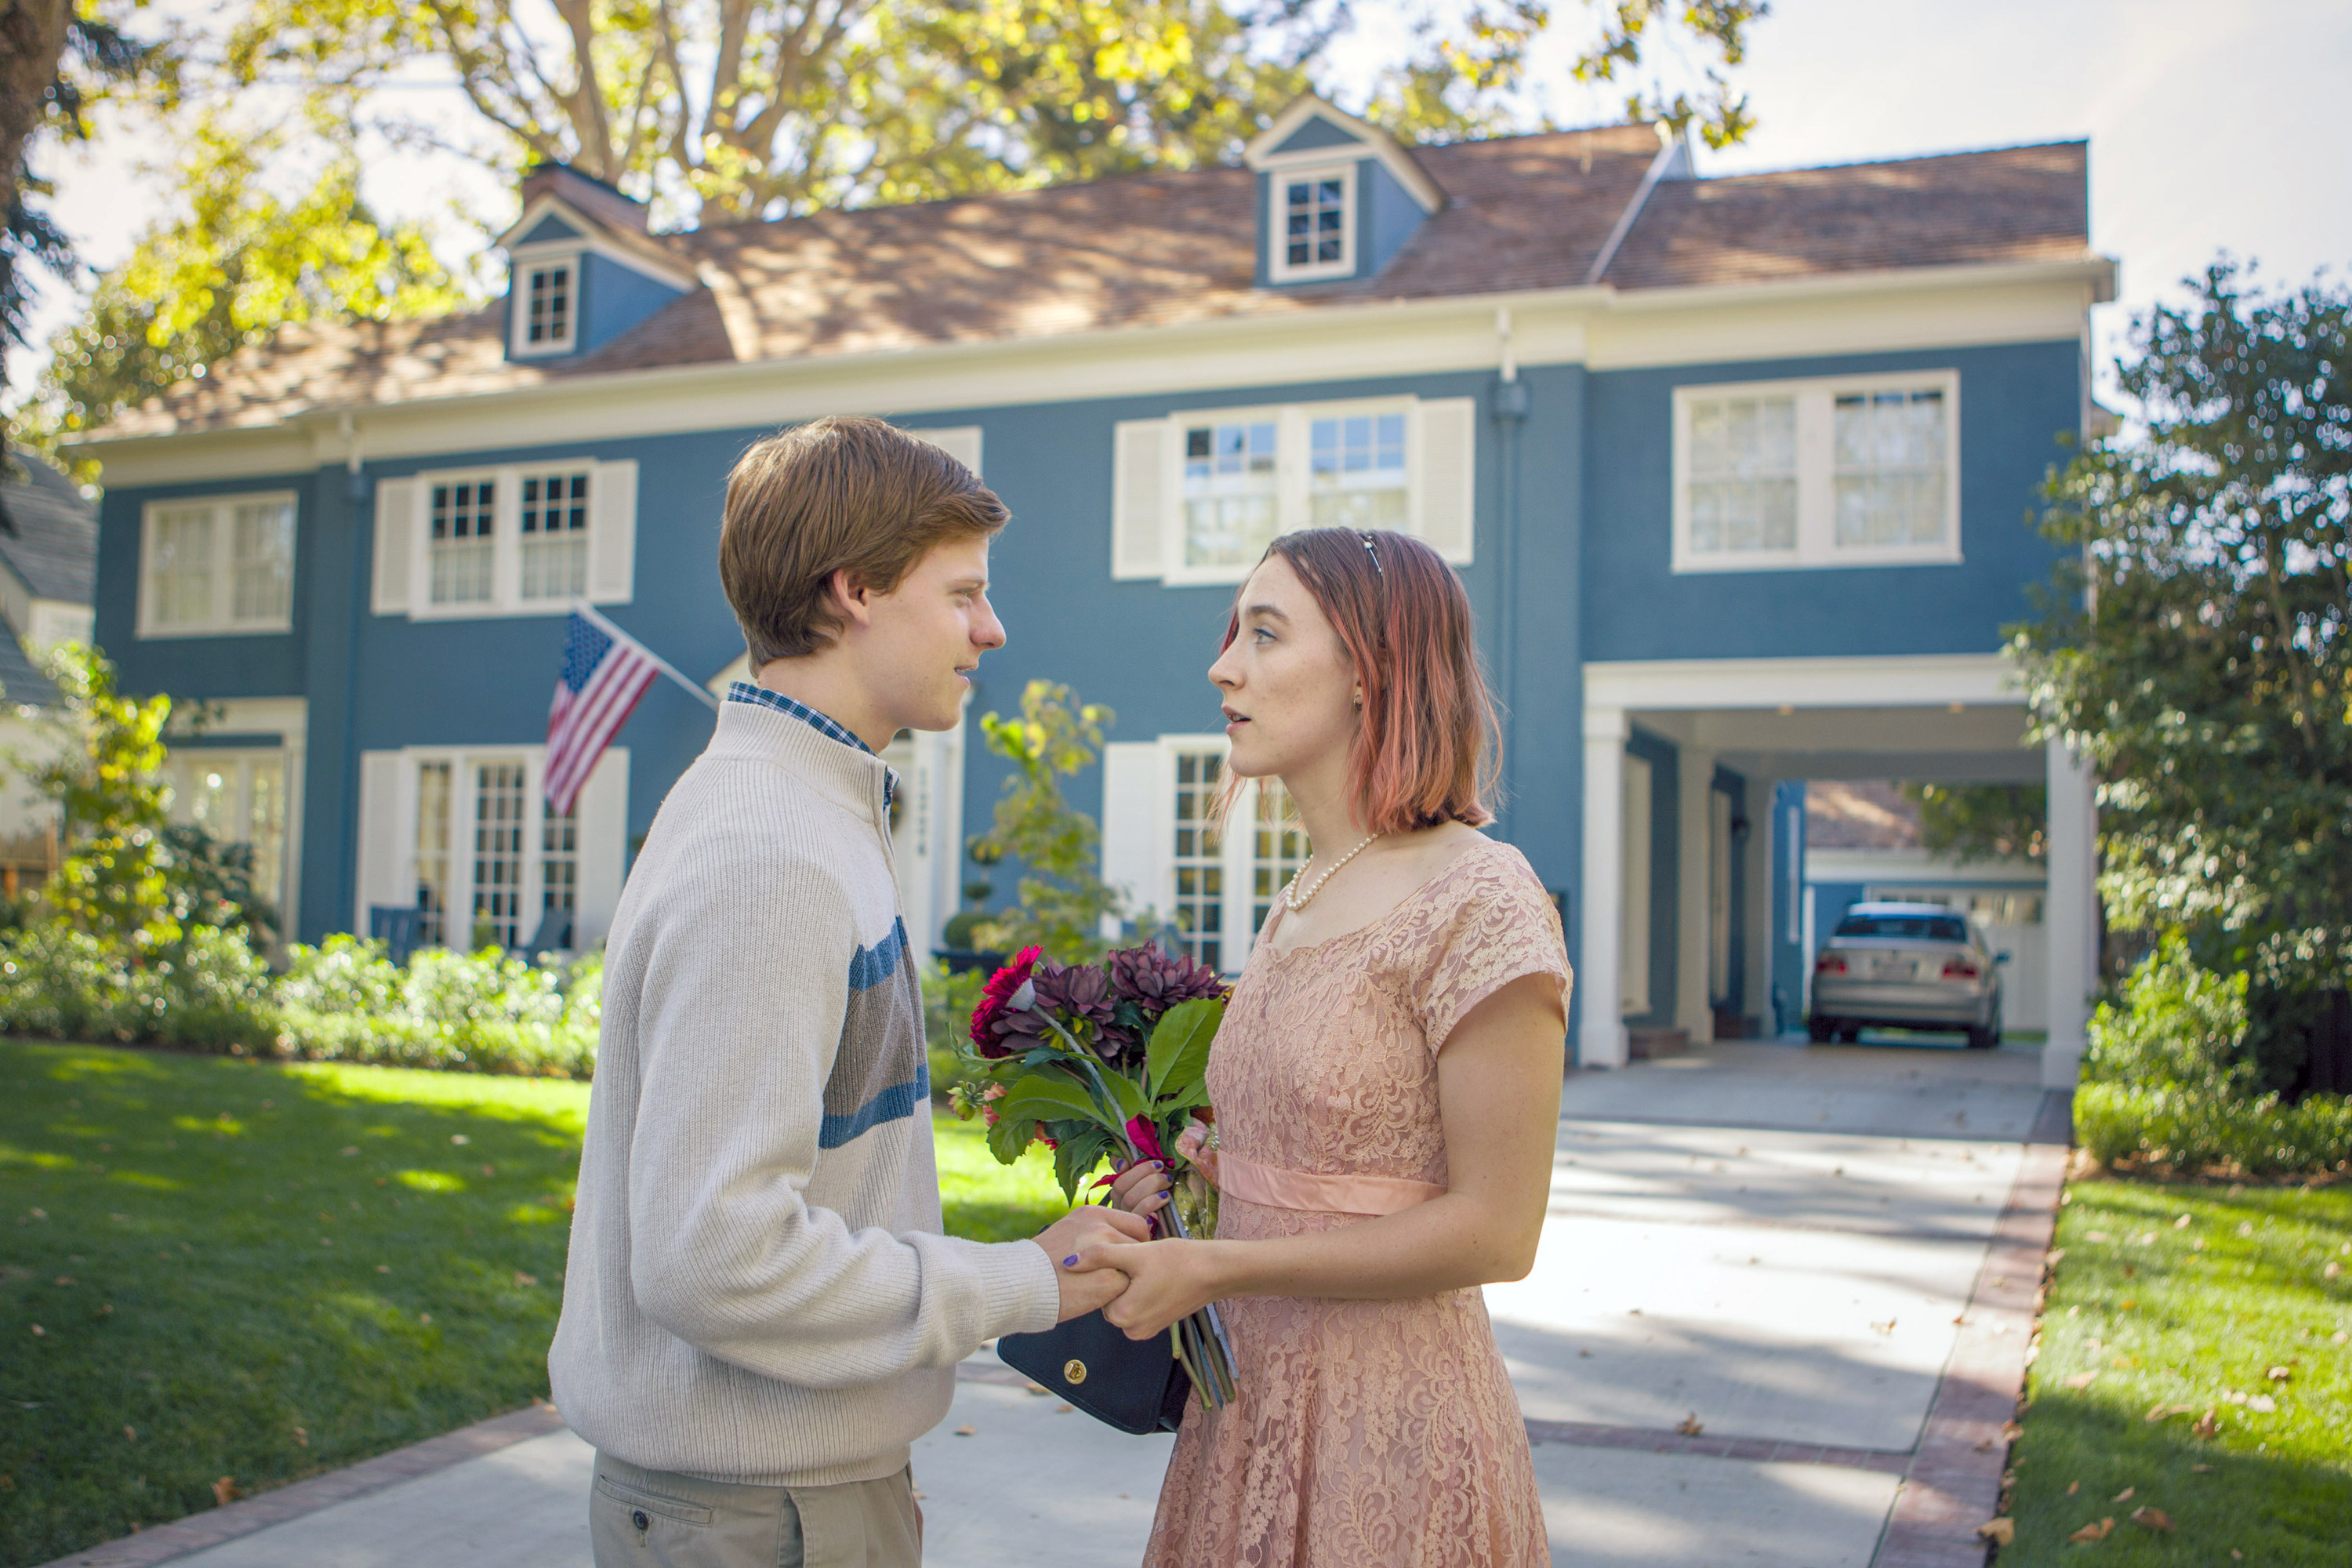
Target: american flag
605, 673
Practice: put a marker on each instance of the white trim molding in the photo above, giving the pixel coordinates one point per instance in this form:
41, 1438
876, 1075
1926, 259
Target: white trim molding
561, 263
1280, 182
1893, 680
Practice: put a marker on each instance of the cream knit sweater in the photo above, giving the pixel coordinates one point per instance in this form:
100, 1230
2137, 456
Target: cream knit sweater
757, 1290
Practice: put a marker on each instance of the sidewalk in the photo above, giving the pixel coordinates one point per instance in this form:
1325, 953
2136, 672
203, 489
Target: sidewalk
1740, 1346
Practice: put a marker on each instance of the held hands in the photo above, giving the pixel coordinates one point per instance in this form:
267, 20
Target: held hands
1088, 1286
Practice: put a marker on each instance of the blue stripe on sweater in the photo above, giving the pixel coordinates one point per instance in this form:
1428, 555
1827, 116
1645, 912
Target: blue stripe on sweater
870, 966
892, 1103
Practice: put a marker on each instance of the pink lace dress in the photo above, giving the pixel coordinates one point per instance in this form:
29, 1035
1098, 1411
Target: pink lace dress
1370, 1434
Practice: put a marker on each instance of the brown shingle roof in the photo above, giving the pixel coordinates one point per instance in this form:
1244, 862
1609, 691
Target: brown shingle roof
1522, 212
2019, 204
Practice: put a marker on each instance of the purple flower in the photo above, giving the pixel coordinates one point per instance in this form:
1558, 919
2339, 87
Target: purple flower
1156, 980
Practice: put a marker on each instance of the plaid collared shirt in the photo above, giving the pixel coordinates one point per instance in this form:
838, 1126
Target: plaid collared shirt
744, 691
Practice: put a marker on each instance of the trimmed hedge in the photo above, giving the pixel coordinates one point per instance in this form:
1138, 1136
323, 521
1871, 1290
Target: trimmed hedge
341, 1000
2191, 1129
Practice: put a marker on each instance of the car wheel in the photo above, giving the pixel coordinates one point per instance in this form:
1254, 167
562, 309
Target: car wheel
1823, 1030
1986, 1037
1850, 1034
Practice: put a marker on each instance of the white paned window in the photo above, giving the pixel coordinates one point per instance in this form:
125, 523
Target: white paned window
1356, 472
469, 841
240, 798
432, 834
1198, 497
1232, 510
1199, 882
1196, 905
219, 566
1315, 215
514, 541
500, 807
1836, 472
555, 535
1279, 848
546, 306
1891, 461
462, 548
559, 861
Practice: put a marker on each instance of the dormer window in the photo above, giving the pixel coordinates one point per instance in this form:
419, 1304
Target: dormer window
550, 303
1319, 224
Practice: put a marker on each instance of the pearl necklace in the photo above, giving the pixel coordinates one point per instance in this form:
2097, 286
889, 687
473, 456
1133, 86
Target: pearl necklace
1290, 895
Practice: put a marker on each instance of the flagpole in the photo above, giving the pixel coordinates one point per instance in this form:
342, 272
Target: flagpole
587, 612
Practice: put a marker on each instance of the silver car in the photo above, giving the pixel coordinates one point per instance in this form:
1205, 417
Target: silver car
1906, 966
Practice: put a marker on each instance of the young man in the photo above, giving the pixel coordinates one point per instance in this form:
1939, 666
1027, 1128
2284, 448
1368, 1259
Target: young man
760, 1311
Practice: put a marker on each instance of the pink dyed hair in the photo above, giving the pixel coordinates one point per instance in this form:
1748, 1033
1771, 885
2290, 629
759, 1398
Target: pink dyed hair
1425, 750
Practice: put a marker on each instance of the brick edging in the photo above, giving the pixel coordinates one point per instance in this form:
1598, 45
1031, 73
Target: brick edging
1953, 1482
213, 1526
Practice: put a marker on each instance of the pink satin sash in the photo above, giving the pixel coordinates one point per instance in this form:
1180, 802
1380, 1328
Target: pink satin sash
1273, 1187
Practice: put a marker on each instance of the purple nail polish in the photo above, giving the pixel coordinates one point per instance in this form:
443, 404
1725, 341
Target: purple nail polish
1071, 1261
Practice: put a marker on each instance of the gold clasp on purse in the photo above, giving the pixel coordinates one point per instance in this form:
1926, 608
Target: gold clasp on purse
1074, 1372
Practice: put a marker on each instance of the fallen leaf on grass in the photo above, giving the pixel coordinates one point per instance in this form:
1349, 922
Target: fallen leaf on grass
2124, 1496
2280, 1373
967, 1431
2202, 1469
353, 1149
2159, 1411
2010, 1431
2331, 1270
1999, 1532
301, 1437
2073, 1486
225, 1492
2152, 1518
2182, 1223
522, 1279
2262, 1403
2082, 1379
2094, 1236
130, 1434
1691, 1426
2094, 1532
459, 1139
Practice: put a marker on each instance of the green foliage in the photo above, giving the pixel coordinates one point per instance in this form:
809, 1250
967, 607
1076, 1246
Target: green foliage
2199, 1130
2197, 644
1063, 898
947, 1002
209, 991
1983, 821
107, 783
238, 260
2180, 1027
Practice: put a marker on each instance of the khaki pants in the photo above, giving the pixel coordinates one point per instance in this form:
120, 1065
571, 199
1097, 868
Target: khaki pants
653, 1518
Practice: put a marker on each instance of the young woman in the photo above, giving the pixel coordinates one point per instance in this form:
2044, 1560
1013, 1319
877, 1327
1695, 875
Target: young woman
1387, 1088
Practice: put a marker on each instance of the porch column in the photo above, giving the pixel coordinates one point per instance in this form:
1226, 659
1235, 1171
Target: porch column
2069, 914
1694, 830
1601, 1036
1755, 971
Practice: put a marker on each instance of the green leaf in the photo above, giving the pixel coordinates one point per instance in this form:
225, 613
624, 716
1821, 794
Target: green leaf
1045, 1099
1076, 1159
1179, 1052
1009, 1136
1129, 1093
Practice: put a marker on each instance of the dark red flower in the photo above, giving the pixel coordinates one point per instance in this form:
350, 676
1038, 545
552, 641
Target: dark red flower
1156, 980
994, 998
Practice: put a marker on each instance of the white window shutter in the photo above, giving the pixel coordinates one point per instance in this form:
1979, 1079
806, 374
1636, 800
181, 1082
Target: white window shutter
613, 536
1142, 467
396, 520
961, 442
386, 818
1130, 821
1444, 514
604, 808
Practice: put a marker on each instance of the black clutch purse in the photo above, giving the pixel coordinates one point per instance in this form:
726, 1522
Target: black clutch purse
1136, 1386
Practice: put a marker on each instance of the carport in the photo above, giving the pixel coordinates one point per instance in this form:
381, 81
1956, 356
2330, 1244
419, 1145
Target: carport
1727, 732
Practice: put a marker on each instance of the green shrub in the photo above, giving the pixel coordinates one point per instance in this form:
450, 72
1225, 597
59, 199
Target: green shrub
2195, 1128
947, 1002
210, 990
2181, 1026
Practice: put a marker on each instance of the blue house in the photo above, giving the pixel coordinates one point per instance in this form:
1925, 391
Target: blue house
1737, 472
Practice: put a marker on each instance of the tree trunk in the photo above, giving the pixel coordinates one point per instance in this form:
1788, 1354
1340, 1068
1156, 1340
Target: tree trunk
32, 37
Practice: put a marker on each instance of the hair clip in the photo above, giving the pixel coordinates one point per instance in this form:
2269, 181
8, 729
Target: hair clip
1375, 554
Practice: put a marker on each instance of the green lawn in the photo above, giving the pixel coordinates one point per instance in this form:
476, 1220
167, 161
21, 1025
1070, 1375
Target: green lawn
2149, 1316
263, 1271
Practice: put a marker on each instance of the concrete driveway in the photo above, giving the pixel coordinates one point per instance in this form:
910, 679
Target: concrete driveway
1742, 1315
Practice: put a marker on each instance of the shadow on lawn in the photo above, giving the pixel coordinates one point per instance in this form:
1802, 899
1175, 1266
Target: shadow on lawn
2280, 1512
258, 1272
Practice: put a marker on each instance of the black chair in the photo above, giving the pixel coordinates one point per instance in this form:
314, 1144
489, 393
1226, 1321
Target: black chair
396, 929
553, 935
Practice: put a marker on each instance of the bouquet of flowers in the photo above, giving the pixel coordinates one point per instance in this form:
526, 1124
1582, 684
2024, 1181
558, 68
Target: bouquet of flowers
1107, 1061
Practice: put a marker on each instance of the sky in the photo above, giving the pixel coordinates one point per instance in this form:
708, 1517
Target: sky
2212, 126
